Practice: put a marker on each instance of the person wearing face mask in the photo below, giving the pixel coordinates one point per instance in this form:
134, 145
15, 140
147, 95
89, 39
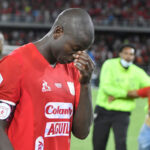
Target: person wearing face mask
116, 99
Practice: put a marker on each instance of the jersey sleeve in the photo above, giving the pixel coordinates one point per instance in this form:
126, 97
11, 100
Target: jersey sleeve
10, 77
144, 92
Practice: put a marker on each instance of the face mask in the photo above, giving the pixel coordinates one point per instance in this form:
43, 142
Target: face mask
126, 64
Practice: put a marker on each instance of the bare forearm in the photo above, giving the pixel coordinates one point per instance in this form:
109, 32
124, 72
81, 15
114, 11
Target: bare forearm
4, 141
84, 114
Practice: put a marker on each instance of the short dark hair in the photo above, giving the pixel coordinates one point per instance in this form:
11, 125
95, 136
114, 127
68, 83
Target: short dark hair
77, 23
127, 45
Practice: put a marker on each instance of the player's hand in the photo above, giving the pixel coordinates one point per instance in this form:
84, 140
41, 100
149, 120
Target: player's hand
85, 65
132, 94
110, 99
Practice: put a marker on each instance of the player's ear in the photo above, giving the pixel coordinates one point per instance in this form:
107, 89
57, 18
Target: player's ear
58, 32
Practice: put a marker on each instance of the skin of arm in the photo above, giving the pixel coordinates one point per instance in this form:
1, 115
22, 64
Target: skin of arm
131, 94
83, 116
4, 141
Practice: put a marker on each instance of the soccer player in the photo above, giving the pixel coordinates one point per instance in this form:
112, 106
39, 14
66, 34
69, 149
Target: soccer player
44, 87
115, 100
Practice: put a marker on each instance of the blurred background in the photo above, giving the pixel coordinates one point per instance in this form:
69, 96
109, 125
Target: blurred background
116, 22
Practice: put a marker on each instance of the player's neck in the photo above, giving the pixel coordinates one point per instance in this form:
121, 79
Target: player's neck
45, 50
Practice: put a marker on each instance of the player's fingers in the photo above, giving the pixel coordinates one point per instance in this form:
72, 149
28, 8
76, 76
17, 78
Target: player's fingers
86, 57
79, 66
81, 54
84, 64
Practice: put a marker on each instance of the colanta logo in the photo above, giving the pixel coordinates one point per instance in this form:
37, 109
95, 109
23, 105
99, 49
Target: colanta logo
58, 110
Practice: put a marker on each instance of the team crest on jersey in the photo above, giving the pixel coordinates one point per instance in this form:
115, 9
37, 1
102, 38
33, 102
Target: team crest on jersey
5, 111
71, 88
39, 143
45, 87
1, 78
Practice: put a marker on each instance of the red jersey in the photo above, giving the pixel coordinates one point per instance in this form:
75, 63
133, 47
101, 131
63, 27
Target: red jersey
145, 92
46, 98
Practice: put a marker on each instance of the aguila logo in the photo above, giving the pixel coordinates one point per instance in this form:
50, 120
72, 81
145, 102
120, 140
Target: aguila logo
57, 129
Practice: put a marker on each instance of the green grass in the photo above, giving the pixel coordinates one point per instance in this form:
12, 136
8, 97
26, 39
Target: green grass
136, 121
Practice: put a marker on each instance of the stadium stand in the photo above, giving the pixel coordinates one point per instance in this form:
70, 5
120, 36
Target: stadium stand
106, 45
108, 12
116, 22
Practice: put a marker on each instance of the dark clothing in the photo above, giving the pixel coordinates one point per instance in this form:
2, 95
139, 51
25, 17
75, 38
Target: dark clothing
103, 121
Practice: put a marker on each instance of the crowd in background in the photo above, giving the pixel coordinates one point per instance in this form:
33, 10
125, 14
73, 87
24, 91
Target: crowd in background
103, 12
105, 46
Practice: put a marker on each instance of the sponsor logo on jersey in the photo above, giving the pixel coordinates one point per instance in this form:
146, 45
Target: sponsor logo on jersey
58, 110
57, 129
5, 111
1, 78
58, 85
39, 143
45, 87
71, 88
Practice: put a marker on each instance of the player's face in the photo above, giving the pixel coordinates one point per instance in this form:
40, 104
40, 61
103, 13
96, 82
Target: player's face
128, 54
68, 48
64, 46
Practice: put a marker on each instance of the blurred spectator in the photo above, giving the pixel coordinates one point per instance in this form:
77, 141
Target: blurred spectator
108, 12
